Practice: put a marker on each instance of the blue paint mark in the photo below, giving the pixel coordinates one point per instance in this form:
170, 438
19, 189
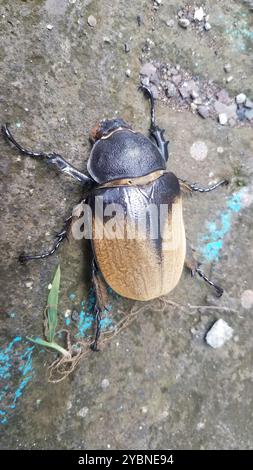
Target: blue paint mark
212, 242
67, 321
16, 371
86, 316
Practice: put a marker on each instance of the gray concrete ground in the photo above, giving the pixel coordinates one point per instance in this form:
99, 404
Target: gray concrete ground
157, 385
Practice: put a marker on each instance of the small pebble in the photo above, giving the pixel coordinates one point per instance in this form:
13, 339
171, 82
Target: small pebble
183, 22
128, 72
67, 313
207, 26
127, 48
229, 79
199, 150
248, 103
223, 119
144, 410
105, 384
49, 286
199, 14
193, 106
75, 315
247, 299
29, 284
170, 90
240, 113
49, 27
227, 68
249, 114
170, 23
92, 21
194, 94
83, 412
220, 150
241, 98
219, 334
203, 111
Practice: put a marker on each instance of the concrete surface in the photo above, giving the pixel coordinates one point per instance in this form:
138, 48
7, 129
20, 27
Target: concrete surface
157, 385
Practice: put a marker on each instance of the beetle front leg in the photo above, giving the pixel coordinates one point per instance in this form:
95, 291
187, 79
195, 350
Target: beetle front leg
51, 158
194, 266
156, 133
191, 187
60, 237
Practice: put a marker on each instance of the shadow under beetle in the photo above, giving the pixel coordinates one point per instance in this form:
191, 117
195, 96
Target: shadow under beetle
129, 169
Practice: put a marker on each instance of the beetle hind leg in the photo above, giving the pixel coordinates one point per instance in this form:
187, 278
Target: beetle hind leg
101, 300
194, 266
156, 133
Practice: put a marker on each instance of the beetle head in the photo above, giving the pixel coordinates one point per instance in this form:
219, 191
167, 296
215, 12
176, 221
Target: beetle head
105, 127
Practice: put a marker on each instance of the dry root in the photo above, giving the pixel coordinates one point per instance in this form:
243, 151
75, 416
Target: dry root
63, 366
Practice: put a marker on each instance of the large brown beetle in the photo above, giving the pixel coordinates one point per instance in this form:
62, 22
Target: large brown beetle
129, 169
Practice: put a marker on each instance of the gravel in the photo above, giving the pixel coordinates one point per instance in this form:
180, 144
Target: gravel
241, 98
184, 23
219, 334
92, 21
223, 119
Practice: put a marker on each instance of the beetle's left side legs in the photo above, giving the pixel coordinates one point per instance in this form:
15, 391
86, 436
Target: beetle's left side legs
52, 159
156, 134
101, 300
60, 237
193, 265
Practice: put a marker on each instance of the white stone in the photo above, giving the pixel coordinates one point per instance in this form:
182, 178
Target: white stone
199, 150
49, 27
184, 22
128, 72
229, 79
223, 119
247, 299
207, 26
92, 21
241, 98
83, 412
227, 68
105, 384
219, 334
199, 14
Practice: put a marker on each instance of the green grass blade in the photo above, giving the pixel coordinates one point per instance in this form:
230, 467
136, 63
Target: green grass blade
52, 305
45, 344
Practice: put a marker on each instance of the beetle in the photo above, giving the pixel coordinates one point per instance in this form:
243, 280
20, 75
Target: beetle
129, 169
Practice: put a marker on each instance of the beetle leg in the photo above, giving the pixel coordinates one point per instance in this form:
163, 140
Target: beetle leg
101, 300
193, 265
185, 186
51, 158
59, 238
156, 134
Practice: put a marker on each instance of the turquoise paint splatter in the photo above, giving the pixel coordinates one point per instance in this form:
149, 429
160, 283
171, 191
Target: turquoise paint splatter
16, 371
212, 242
67, 321
86, 316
